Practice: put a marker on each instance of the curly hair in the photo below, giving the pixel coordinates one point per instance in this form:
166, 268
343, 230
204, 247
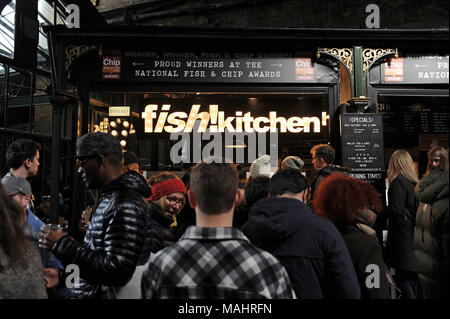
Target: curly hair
340, 198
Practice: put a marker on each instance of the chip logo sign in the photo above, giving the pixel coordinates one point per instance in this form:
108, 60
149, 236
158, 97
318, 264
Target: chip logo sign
303, 69
119, 111
393, 72
111, 66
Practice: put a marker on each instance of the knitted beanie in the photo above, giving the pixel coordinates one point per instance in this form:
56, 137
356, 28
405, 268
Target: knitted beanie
261, 166
167, 187
292, 162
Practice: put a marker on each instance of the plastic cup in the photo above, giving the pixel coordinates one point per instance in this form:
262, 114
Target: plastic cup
44, 229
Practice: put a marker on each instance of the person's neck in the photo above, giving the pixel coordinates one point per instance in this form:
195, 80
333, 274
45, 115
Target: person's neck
111, 176
219, 220
20, 172
298, 196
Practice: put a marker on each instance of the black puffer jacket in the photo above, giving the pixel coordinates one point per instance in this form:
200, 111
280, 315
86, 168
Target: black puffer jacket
113, 241
431, 234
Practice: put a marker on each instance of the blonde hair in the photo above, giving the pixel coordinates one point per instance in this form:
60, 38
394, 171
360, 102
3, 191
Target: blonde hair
402, 163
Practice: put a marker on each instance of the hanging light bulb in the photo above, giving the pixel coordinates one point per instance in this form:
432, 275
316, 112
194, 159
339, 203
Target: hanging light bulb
124, 133
114, 133
126, 124
112, 124
132, 131
118, 120
123, 143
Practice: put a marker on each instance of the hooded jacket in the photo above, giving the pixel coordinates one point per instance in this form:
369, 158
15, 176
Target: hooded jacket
113, 241
309, 246
431, 234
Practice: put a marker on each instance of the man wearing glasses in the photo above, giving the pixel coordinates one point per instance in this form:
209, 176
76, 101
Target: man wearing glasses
113, 242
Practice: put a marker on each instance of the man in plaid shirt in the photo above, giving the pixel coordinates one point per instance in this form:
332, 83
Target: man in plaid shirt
212, 259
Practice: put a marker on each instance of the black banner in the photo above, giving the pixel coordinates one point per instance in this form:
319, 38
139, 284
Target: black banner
244, 67
416, 69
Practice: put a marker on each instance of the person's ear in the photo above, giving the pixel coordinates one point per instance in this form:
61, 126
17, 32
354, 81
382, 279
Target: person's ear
191, 197
27, 163
238, 198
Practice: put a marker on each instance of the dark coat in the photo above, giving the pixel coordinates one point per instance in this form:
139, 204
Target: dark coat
309, 246
114, 240
322, 173
365, 250
431, 235
162, 235
401, 215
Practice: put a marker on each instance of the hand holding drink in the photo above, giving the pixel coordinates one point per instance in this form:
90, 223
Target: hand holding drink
49, 235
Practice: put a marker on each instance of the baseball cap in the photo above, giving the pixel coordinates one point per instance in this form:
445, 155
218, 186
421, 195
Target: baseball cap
92, 144
130, 158
15, 184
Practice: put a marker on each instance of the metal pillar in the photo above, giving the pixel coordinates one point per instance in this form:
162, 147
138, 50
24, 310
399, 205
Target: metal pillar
57, 102
357, 61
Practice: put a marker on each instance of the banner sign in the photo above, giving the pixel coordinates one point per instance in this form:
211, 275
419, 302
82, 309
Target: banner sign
216, 67
416, 69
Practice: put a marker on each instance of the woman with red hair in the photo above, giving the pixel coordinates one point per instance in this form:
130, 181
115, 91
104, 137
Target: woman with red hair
343, 199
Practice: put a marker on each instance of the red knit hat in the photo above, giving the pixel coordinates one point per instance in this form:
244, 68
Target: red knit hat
167, 187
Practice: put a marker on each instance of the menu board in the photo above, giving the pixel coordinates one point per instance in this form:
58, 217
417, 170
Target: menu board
362, 142
415, 119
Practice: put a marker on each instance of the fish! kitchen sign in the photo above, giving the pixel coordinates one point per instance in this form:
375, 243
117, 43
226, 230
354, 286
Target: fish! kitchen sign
158, 119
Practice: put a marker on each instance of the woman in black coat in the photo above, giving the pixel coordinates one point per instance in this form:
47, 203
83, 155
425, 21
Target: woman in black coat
431, 236
401, 213
342, 199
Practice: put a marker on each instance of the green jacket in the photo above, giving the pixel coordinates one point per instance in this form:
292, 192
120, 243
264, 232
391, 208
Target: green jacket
431, 234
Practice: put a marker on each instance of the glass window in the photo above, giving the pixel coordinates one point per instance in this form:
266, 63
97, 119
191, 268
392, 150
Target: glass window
7, 28
300, 120
414, 123
19, 102
2, 95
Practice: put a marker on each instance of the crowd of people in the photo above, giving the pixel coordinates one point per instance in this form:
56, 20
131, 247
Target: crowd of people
222, 231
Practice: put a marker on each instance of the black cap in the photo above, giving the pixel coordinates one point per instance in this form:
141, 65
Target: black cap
130, 158
15, 184
92, 144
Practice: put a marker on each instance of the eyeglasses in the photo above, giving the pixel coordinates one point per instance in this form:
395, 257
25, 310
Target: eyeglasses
174, 200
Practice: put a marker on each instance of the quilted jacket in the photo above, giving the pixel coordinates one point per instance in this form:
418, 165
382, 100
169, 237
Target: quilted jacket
114, 240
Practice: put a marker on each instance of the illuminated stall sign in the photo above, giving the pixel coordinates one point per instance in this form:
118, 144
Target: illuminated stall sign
216, 121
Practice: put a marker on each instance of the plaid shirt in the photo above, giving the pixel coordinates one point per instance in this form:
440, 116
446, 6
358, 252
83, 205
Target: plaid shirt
215, 263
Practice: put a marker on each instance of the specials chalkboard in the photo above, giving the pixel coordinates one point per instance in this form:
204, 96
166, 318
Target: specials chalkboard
362, 142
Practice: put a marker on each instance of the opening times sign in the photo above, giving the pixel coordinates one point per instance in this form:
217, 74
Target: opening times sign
214, 67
